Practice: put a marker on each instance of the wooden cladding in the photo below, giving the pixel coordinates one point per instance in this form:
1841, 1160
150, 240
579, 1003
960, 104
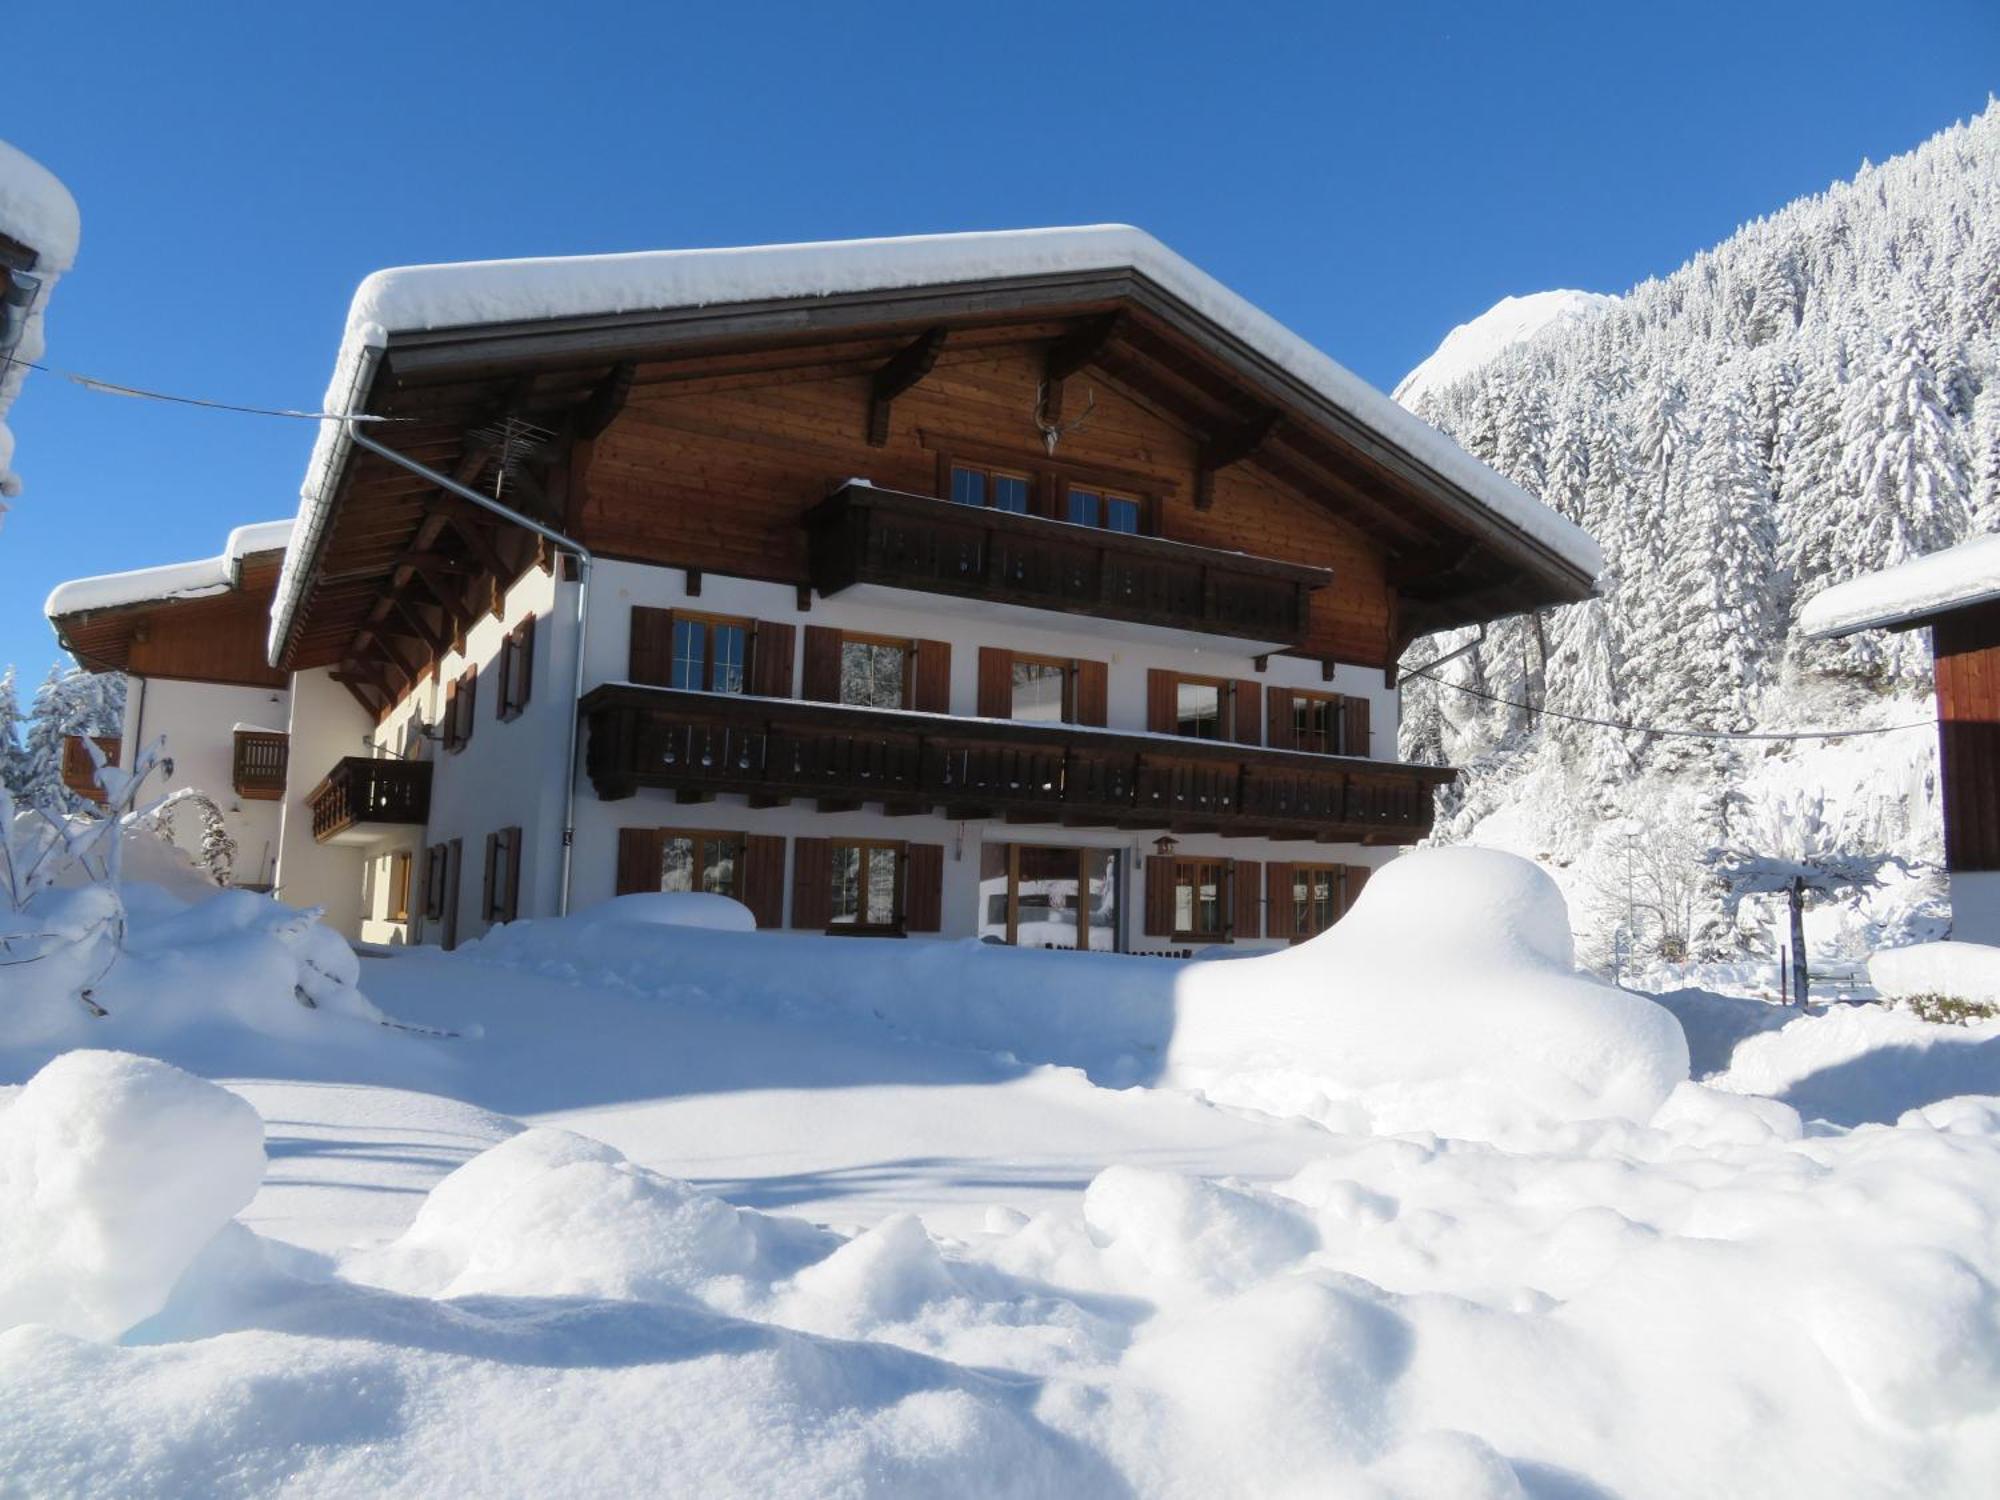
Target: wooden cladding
702, 742
1966, 646
768, 647
79, 771
862, 534
257, 764
363, 790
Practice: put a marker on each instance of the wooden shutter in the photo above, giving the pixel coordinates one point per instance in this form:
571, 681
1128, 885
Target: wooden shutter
1247, 884
923, 898
1352, 878
1159, 895
996, 683
487, 904
638, 860
1280, 919
454, 865
448, 718
651, 658
1093, 693
468, 706
812, 875
771, 660
1281, 729
434, 882
930, 684
821, 679
524, 651
1162, 700
510, 901
1354, 726
764, 878
1247, 711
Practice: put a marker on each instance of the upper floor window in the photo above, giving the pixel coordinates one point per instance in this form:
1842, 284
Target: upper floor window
517, 659
1201, 708
874, 673
1001, 489
1043, 690
459, 697
711, 653
1316, 723
1112, 512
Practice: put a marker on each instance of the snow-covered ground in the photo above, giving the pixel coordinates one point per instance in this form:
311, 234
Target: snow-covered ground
687, 1210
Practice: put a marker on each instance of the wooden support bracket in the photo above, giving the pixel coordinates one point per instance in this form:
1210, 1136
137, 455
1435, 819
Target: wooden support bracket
905, 368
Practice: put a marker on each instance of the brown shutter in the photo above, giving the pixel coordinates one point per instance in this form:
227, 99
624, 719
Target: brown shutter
448, 720
1354, 726
1162, 700
771, 660
1280, 728
1247, 711
996, 683
1248, 881
1093, 693
930, 684
638, 860
1279, 915
1159, 896
651, 660
764, 878
488, 903
923, 897
524, 651
821, 680
1352, 878
812, 875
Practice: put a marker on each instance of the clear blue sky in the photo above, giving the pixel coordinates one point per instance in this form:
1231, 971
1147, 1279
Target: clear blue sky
1371, 174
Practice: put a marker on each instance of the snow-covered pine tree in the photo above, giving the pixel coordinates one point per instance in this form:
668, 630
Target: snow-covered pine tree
13, 759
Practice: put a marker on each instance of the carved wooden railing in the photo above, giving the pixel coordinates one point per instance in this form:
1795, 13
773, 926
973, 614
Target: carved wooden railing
866, 535
361, 790
773, 751
259, 764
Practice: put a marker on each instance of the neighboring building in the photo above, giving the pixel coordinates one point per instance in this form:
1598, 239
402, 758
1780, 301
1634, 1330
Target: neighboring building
1956, 595
39, 230
1031, 586
189, 638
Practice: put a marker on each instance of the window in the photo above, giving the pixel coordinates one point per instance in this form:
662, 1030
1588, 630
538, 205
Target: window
502, 899
400, 864
867, 884
1091, 507
1315, 899
1201, 897
711, 653
1316, 722
696, 861
874, 673
1038, 896
437, 881
1200, 706
517, 659
1043, 690
459, 699
998, 489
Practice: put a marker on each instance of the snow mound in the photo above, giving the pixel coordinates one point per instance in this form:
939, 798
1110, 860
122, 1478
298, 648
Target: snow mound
1510, 321
115, 1171
1965, 971
1863, 1063
671, 909
1445, 1000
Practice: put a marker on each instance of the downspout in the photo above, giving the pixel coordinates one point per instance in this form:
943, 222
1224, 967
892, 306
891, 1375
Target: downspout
584, 560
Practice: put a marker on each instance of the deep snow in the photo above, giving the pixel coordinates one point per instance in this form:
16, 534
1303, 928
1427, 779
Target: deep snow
763, 1237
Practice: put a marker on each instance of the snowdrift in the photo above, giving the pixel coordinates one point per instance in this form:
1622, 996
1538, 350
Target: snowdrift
1963, 971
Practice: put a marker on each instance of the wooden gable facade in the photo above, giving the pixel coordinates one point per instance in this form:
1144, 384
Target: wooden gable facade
213, 637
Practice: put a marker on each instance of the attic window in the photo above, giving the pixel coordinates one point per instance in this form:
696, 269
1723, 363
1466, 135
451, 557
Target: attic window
997, 489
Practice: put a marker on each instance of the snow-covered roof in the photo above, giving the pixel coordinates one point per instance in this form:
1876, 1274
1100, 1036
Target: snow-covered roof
418, 298
1510, 321
37, 210
1908, 593
182, 580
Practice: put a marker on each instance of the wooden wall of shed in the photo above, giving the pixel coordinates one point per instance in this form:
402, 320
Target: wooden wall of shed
1967, 649
716, 473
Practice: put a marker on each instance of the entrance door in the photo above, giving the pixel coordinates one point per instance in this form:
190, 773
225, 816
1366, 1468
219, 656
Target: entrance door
1049, 896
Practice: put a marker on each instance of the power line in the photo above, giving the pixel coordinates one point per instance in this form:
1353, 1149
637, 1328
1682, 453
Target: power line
113, 388
1674, 733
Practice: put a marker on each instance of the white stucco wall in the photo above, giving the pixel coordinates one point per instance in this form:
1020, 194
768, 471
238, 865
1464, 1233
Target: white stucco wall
1975, 906
326, 723
199, 720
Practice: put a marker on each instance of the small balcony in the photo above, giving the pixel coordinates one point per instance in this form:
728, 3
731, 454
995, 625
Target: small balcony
867, 537
696, 744
363, 800
79, 771
259, 764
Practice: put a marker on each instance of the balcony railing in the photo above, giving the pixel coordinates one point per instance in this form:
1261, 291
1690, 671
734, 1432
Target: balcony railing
864, 535
259, 764
79, 771
772, 750
361, 793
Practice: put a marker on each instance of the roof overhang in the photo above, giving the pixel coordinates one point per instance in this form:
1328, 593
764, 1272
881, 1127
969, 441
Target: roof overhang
1910, 595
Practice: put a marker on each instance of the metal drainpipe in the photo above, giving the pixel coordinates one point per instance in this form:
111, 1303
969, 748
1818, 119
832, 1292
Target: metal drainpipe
583, 561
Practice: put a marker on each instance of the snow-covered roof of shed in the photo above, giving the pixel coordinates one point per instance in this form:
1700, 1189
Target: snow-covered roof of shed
1908, 593
470, 294
37, 210
182, 580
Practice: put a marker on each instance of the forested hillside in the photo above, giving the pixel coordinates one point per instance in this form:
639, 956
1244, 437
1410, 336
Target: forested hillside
1816, 397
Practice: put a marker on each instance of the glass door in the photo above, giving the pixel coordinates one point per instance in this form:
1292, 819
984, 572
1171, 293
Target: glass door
1049, 896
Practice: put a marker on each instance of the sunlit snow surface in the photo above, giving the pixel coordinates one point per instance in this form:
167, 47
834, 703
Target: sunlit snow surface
767, 1237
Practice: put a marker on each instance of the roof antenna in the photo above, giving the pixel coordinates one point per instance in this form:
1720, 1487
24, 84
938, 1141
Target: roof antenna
513, 442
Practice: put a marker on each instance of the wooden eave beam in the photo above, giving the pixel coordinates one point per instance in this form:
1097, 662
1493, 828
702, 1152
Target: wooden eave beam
607, 398
905, 368
1074, 352
1230, 448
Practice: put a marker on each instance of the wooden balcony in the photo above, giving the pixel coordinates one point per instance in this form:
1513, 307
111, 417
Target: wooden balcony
362, 799
259, 764
864, 535
695, 744
79, 771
